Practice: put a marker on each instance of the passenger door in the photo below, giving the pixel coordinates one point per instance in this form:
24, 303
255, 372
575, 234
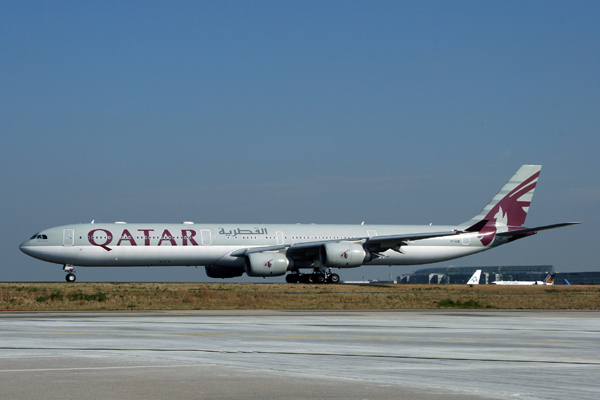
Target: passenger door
68, 237
205, 237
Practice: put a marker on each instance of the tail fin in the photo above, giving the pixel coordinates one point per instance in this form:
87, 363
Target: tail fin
549, 279
508, 209
475, 278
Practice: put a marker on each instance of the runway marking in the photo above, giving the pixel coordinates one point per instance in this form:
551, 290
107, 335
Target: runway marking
298, 353
98, 368
301, 337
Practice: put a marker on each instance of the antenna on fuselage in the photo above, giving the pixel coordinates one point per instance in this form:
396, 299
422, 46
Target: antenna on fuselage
93, 221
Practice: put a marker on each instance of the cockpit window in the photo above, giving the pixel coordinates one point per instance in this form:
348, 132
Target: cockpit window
37, 236
34, 236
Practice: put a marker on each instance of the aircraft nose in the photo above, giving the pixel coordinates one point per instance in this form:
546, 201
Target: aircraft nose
25, 248
34, 249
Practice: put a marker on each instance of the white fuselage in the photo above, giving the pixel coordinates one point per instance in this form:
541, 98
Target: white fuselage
188, 244
229, 250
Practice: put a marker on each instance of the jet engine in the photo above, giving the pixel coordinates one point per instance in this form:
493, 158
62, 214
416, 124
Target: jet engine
343, 255
214, 271
266, 264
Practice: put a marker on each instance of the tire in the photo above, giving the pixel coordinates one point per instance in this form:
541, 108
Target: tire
334, 278
70, 278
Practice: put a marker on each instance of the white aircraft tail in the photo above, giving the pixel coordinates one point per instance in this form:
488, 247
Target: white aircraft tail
475, 278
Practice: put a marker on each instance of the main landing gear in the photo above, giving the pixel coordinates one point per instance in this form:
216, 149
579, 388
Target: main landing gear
315, 277
70, 276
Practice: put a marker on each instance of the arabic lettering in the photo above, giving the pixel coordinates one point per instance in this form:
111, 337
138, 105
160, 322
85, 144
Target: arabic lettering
239, 231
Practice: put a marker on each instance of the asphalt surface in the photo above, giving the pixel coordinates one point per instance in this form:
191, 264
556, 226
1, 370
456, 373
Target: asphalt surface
300, 355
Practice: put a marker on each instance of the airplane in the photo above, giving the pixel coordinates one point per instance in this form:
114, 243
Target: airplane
474, 280
269, 250
549, 280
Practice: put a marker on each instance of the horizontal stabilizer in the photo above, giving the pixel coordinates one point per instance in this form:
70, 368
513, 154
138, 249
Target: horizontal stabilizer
536, 229
478, 226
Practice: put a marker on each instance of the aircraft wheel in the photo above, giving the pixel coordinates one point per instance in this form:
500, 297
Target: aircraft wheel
334, 278
291, 278
321, 278
70, 278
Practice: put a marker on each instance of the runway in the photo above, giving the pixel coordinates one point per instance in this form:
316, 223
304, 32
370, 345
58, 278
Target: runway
300, 355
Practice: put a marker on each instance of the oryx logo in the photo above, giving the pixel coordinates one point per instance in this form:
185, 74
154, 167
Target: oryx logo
510, 211
345, 254
268, 264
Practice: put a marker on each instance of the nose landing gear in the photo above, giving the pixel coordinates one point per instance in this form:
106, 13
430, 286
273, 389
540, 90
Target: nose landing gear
70, 276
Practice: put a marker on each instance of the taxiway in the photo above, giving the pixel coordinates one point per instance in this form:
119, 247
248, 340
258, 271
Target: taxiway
300, 354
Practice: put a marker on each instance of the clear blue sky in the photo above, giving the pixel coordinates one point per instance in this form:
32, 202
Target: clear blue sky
328, 112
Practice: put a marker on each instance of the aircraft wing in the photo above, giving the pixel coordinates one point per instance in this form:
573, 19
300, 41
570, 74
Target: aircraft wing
249, 250
375, 244
378, 244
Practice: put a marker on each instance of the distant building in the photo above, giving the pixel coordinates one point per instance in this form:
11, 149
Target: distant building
578, 278
460, 275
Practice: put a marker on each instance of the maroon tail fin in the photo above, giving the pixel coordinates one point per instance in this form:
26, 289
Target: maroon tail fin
508, 209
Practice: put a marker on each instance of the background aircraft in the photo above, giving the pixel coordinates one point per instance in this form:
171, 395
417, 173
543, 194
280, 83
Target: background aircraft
549, 280
268, 250
474, 280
